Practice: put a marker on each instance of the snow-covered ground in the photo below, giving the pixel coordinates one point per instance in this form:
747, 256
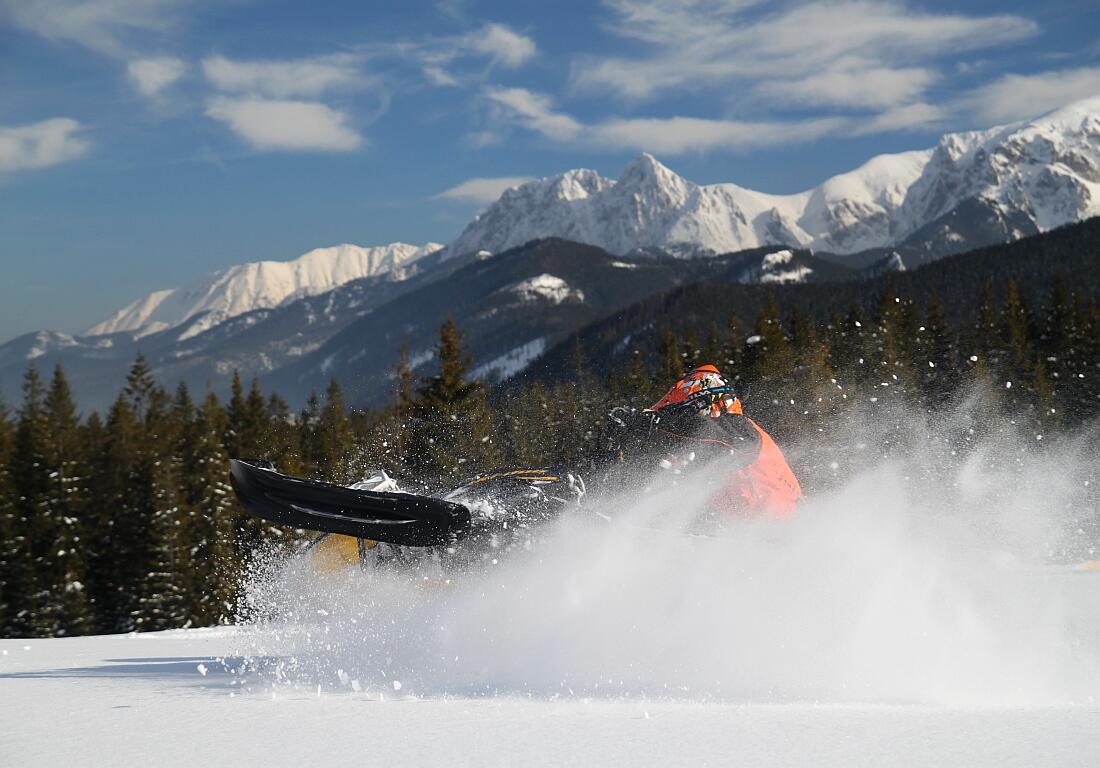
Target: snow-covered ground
143, 700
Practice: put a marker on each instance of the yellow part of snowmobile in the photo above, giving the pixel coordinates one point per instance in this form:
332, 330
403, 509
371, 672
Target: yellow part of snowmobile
333, 553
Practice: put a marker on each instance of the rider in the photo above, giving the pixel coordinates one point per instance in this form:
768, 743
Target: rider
699, 421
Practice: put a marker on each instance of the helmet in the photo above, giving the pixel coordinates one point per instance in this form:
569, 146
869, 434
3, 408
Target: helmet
703, 389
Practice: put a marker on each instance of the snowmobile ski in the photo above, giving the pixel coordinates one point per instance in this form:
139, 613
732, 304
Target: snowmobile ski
392, 517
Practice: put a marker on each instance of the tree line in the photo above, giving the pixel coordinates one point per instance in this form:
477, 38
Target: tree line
125, 521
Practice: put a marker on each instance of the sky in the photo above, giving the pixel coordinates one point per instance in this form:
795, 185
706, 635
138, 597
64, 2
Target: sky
144, 143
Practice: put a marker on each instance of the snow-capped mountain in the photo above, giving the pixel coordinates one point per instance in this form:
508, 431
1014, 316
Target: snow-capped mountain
1006, 182
260, 285
971, 189
650, 206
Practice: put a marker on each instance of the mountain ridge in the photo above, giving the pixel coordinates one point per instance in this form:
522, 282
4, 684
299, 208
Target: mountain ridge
228, 293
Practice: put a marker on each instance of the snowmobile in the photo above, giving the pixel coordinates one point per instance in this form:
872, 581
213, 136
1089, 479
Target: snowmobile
374, 523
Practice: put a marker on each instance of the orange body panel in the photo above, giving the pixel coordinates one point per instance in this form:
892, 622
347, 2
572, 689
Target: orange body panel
767, 486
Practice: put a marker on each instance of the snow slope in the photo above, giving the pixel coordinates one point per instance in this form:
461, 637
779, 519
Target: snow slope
195, 697
260, 285
1029, 177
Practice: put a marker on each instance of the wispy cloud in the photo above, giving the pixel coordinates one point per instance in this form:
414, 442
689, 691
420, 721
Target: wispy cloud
274, 124
287, 78
501, 45
482, 191
677, 135
850, 45
1019, 97
441, 77
151, 76
670, 136
853, 83
42, 144
109, 27
452, 60
910, 117
535, 112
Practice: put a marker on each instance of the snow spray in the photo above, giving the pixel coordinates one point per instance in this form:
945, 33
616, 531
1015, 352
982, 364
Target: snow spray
928, 564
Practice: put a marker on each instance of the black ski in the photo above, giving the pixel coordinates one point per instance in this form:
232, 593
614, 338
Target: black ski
395, 518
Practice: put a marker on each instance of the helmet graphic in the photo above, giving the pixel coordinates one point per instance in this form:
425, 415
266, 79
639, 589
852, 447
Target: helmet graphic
704, 389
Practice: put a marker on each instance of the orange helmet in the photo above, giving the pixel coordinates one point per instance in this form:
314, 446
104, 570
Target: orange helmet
703, 388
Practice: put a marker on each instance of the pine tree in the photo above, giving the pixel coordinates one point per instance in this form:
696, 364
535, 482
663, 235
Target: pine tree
285, 444
388, 429
690, 352
334, 440
533, 421
63, 563
1016, 327
157, 480
456, 435
770, 362
29, 593
582, 405
9, 552
849, 347
119, 548
309, 421
248, 426
712, 348
209, 580
895, 334
140, 385
116, 552
818, 401
1060, 338
936, 355
670, 365
632, 385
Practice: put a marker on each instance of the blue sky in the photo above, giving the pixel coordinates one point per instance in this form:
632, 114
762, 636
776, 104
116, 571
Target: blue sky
146, 142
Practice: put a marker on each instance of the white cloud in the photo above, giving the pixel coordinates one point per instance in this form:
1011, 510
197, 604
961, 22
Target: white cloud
535, 112
854, 85
847, 45
284, 79
151, 76
439, 76
453, 60
108, 27
1019, 97
482, 190
910, 117
502, 45
39, 145
677, 135
670, 136
271, 124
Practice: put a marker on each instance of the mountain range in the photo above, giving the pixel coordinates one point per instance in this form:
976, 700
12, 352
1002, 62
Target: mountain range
552, 255
971, 189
